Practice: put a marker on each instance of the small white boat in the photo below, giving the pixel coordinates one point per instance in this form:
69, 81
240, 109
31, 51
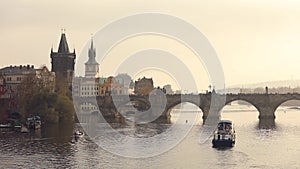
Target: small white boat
78, 134
5, 125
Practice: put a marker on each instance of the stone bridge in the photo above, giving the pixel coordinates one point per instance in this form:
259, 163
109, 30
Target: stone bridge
211, 104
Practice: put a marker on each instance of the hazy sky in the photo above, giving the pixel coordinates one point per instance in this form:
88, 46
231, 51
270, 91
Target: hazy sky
256, 40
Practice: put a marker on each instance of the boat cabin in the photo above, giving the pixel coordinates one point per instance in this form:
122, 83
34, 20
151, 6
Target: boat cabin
224, 135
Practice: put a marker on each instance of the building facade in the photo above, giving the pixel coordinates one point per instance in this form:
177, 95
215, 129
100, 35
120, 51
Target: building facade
111, 86
11, 79
168, 89
92, 85
3, 88
12, 76
127, 83
143, 86
89, 87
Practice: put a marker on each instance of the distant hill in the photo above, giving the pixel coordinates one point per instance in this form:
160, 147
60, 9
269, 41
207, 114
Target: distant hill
283, 86
270, 84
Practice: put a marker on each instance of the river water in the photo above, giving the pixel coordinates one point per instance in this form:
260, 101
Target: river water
52, 147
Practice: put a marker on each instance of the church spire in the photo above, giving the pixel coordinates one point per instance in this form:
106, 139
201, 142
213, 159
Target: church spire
63, 44
91, 66
92, 54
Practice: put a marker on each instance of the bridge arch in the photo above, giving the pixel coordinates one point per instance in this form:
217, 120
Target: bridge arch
284, 101
255, 110
229, 101
174, 104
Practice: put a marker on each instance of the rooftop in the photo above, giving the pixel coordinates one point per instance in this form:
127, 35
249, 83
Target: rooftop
17, 69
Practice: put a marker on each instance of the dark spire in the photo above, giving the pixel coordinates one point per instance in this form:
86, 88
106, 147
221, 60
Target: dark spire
92, 54
63, 44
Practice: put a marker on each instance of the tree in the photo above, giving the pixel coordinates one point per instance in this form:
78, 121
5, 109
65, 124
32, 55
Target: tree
30, 88
61, 86
65, 109
37, 97
44, 104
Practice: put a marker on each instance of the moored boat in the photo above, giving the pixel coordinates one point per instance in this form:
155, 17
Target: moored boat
224, 135
8, 125
33, 122
18, 125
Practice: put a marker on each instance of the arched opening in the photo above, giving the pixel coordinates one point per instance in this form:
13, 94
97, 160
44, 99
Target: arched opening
287, 114
242, 113
240, 110
185, 112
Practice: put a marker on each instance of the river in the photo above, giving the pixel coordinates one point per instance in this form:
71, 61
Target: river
52, 147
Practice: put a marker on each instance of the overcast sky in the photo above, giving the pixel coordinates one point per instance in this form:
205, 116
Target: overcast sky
256, 40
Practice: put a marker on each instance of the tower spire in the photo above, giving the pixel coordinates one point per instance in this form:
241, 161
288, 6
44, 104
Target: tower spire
63, 44
92, 53
91, 66
62, 61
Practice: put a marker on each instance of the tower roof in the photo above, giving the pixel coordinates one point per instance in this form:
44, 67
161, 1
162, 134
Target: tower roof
92, 54
63, 44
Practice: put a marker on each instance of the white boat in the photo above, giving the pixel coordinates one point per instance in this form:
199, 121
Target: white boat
224, 135
78, 134
5, 125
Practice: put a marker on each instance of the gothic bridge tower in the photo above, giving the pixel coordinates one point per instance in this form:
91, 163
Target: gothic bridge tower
63, 61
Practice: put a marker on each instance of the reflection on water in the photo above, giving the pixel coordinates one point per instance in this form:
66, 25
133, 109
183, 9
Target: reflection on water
266, 124
29, 150
276, 146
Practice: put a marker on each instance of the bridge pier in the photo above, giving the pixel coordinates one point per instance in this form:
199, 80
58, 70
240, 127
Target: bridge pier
266, 113
211, 116
267, 123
